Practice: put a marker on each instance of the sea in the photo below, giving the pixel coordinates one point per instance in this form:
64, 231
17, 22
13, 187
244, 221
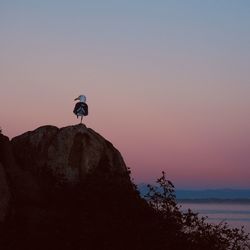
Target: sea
218, 205
234, 213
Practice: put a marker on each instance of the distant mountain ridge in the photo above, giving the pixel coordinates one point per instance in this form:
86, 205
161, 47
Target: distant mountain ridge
214, 194
206, 194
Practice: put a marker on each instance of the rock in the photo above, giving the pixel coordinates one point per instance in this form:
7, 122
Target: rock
62, 187
5, 192
21, 182
66, 156
5, 195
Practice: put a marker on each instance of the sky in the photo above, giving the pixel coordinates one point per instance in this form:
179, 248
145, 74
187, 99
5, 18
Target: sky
167, 82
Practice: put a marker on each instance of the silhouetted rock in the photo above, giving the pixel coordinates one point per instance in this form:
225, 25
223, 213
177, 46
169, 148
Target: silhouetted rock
67, 155
4, 195
21, 181
70, 188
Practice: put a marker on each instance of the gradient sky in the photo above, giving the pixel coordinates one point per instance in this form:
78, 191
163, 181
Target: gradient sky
167, 82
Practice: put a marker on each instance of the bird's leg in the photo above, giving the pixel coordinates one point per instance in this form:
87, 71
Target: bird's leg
81, 119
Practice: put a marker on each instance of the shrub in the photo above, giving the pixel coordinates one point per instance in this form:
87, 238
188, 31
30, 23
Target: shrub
188, 227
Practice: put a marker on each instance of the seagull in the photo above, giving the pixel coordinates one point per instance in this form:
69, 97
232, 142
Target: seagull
81, 107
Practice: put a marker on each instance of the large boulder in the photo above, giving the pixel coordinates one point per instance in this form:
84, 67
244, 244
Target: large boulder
65, 157
22, 183
69, 188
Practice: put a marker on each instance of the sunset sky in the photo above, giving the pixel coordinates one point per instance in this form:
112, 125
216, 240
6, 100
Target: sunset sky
167, 82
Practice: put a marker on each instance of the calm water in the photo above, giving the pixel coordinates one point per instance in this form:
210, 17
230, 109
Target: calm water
236, 215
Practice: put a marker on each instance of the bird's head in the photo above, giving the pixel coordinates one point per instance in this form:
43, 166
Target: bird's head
81, 98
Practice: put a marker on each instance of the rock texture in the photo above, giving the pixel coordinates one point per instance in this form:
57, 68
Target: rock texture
4, 194
66, 156
22, 183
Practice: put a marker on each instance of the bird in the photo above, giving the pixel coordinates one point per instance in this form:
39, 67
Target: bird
81, 107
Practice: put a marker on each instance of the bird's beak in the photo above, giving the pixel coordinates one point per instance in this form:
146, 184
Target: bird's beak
77, 98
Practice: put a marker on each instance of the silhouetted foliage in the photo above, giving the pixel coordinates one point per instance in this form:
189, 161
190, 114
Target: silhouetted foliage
191, 230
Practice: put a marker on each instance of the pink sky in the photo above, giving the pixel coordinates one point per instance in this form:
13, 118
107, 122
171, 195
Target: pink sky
166, 83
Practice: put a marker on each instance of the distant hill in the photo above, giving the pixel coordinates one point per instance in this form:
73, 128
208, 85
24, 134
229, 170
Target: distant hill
206, 194
213, 194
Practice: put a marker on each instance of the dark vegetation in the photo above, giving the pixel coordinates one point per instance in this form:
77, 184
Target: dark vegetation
192, 231
105, 214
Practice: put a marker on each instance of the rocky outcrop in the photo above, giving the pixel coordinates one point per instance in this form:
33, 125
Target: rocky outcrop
22, 184
41, 166
60, 157
4, 194
66, 188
